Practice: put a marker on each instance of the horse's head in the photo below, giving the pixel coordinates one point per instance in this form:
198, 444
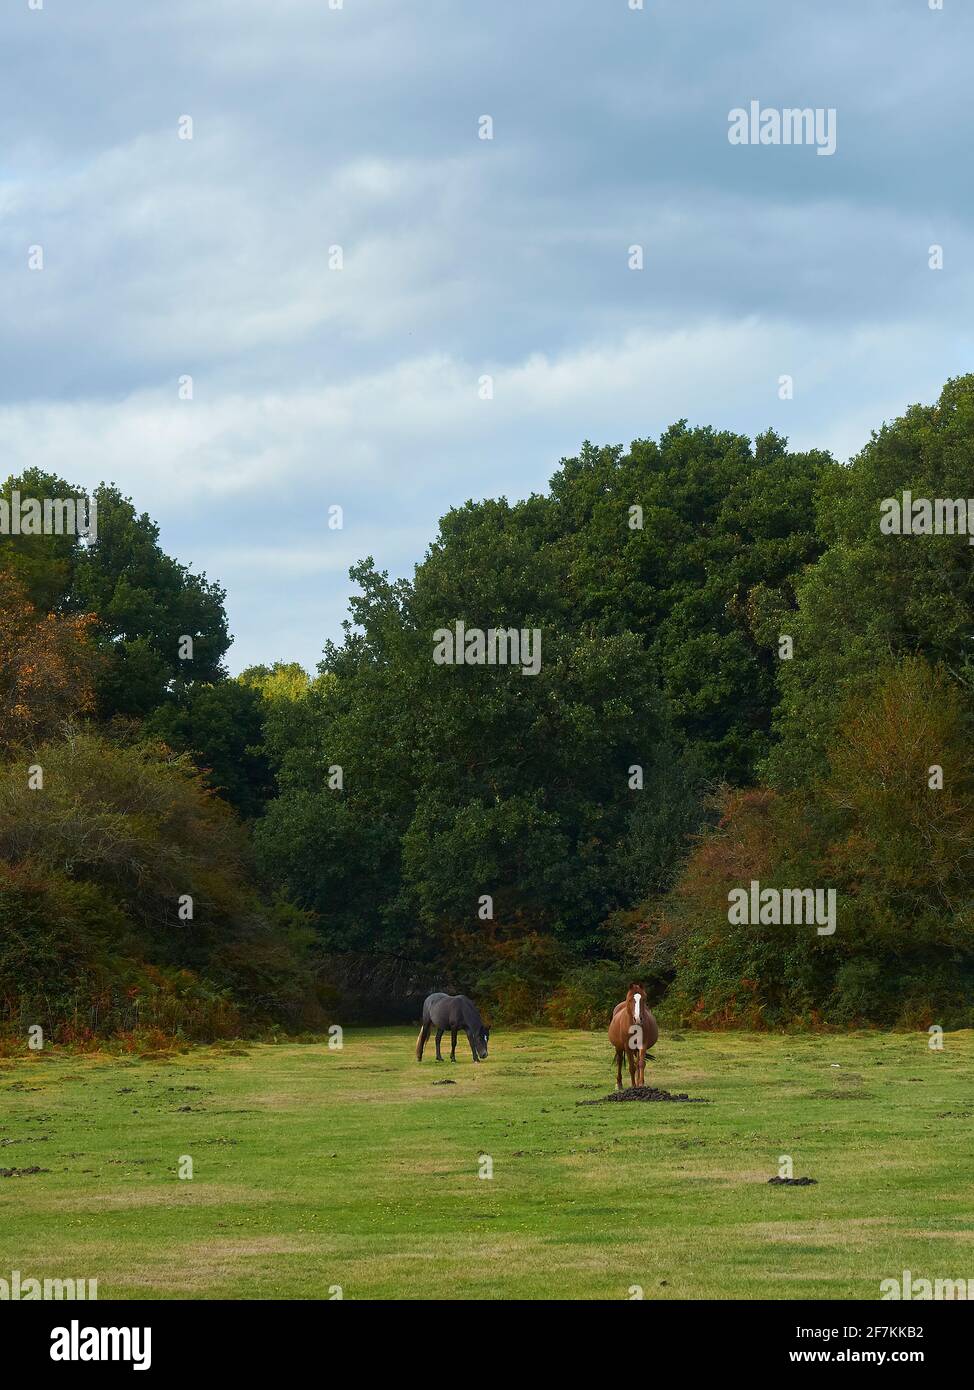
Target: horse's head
481, 1039
636, 1002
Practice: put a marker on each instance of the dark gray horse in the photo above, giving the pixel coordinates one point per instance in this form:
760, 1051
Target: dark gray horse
458, 1014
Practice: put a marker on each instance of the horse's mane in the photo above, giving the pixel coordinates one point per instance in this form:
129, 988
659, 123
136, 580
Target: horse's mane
472, 1013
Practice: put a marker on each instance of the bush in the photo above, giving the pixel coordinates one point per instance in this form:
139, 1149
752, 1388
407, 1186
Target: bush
898, 851
97, 870
586, 996
522, 974
64, 965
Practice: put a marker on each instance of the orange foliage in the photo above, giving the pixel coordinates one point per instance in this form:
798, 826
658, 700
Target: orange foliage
46, 667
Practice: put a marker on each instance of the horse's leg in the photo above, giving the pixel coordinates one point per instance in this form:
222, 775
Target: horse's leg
641, 1069
453, 1044
632, 1067
618, 1069
422, 1040
439, 1034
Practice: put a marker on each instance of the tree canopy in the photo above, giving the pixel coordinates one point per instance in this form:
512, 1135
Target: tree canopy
696, 663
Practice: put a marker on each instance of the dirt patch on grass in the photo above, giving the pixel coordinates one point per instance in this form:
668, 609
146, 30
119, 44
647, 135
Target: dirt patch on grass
649, 1093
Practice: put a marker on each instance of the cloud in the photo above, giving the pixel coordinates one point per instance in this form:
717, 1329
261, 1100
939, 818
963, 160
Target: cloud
357, 127
242, 484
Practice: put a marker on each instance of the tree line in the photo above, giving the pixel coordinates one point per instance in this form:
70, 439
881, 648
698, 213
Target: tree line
743, 678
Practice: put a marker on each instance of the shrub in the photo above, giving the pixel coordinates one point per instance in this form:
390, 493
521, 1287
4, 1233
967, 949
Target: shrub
898, 851
96, 872
586, 996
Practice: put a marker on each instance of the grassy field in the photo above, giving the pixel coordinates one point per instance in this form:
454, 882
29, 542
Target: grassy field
314, 1168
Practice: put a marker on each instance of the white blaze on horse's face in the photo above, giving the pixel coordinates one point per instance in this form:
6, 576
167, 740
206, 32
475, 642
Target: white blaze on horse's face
635, 999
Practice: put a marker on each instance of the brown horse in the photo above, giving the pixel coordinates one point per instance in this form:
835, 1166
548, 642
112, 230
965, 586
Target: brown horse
632, 1032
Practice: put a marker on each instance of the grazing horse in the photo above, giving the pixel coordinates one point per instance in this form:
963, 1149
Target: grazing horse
632, 1032
457, 1013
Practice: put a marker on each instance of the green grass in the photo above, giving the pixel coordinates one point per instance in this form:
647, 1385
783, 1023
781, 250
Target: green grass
315, 1168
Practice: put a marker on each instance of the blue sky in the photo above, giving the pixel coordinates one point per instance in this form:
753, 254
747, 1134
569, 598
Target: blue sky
358, 127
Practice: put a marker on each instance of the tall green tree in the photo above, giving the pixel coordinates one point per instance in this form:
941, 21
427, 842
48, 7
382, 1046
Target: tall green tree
874, 598
718, 518
465, 782
146, 603
221, 727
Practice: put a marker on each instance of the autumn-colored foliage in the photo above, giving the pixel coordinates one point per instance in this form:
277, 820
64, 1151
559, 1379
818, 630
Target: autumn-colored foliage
47, 667
890, 826
126, 899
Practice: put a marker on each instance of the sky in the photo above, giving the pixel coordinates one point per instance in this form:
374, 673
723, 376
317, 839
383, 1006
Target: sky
359, 125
